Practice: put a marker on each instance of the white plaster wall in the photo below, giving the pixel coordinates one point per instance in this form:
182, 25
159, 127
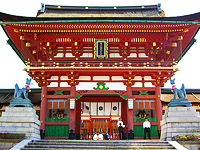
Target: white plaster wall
115, 55
147, 78
142, 55
93, 108
137, 78
84, 78
133, 55
107, 108
101, 78
148, 84
117, 78
115, 112
69, 55
115, 86
59, 55
64, 84
86, 86
53, 84
64, 78
87, 55
137, 84
53, 78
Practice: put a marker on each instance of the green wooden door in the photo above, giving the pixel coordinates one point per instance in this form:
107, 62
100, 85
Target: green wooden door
57, 131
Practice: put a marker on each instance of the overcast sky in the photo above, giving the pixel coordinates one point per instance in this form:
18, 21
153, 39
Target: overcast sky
11, 66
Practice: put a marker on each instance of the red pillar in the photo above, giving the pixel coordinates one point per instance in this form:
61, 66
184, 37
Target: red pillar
72, 112
129, 111
43, 108
158, 107
78, 118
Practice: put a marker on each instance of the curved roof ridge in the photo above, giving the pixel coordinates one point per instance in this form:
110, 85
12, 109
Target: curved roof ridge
101, 7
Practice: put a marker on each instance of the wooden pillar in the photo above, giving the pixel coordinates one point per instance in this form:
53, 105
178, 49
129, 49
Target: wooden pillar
130, 113
158, 107
72, 112
43, 110
78, 119
129, 91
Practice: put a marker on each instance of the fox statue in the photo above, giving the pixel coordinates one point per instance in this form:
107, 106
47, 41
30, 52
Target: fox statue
22, 93
180, 92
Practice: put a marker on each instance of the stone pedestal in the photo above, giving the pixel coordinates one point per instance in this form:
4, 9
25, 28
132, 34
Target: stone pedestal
181, 102
21, 120
20, 102
179, 121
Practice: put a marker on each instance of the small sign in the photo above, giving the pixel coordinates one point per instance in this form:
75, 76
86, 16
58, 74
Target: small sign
101, 48
72, 103
130, 103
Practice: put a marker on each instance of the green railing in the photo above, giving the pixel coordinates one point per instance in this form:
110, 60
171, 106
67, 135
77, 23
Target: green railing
57, 131
57, 119
143, 119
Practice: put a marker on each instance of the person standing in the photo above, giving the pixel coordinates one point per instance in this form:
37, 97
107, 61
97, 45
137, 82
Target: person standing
121, 128
147, 126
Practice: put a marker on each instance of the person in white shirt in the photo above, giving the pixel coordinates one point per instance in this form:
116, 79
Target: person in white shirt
100, 136
147, 126
121, 128
95, 137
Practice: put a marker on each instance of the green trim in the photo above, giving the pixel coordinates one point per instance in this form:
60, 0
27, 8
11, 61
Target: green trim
57, 119
78, 96
96, 21
143, 93
143, 119
58, 93
101, 86
101, 93
123, 96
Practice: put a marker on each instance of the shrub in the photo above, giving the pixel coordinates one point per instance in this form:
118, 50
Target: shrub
195, 137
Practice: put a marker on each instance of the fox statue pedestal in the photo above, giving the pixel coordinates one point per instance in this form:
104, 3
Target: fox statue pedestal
20, 117
21, 120
179, 121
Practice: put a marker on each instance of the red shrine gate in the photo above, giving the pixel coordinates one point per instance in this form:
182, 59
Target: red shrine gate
133, 53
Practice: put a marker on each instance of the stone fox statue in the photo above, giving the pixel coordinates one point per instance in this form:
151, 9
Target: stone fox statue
20, 93
180, 92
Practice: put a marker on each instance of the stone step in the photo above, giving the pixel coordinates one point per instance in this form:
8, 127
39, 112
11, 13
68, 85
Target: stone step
102, 144
96, 147
87, 145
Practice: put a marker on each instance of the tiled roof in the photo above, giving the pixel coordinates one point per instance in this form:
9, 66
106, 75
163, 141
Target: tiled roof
102, 11
194, 98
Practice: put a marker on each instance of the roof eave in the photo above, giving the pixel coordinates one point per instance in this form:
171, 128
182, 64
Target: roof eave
193, 40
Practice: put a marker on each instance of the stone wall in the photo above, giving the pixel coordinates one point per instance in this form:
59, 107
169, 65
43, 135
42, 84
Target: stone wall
7, 144
22, 120
179, 121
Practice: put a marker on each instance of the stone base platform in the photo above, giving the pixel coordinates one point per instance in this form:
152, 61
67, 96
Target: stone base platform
19, 102
21, 120
181, 102
179, 121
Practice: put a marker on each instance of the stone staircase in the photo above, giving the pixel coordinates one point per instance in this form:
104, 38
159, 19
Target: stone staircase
88, 145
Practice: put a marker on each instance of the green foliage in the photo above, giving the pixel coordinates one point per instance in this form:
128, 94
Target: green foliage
11, 136
195, 137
